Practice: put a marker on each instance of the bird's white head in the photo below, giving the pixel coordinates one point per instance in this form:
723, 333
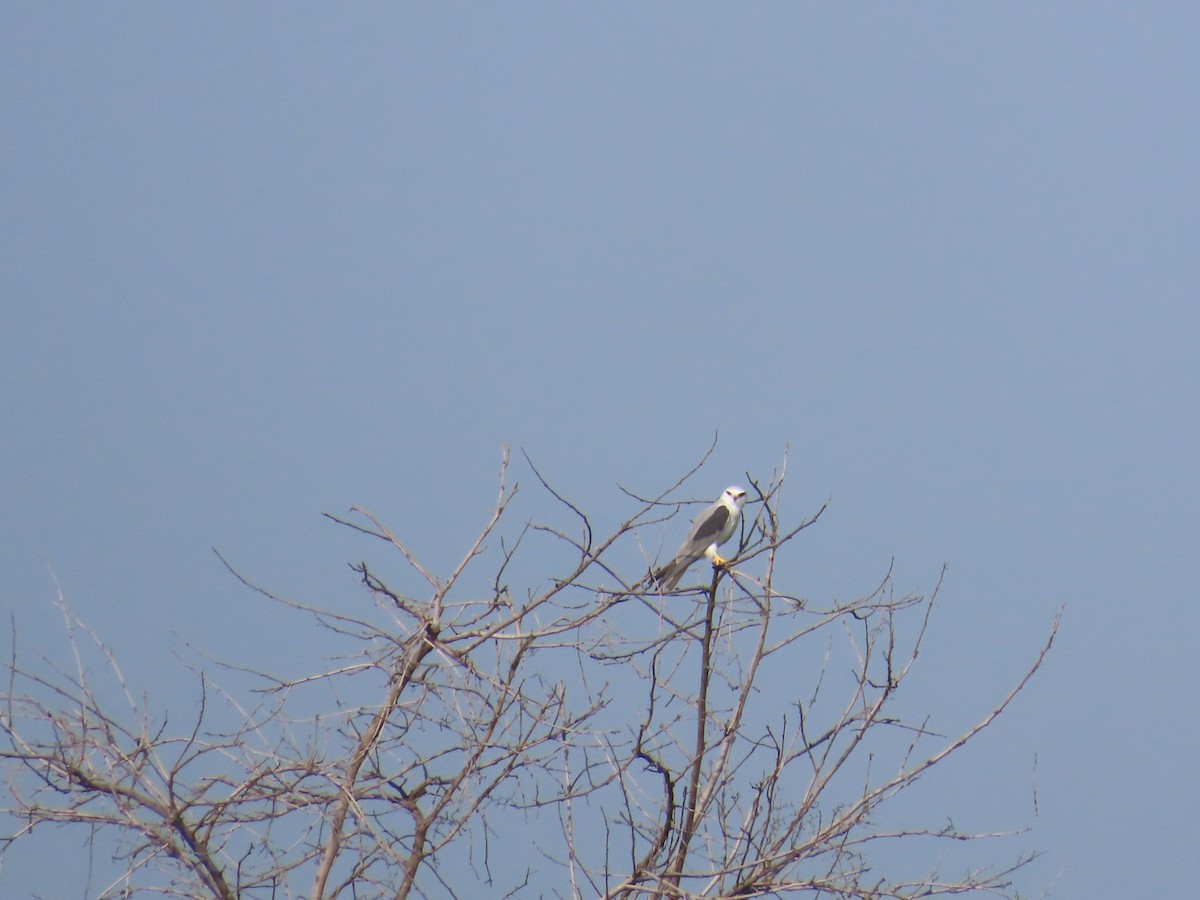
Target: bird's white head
734, 496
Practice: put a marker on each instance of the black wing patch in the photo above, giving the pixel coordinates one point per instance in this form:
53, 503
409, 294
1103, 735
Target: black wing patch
710, 528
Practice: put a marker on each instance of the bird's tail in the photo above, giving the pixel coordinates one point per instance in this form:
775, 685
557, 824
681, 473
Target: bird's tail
668, 576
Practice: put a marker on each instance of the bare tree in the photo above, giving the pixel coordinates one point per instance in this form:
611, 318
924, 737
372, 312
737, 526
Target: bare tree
582, 736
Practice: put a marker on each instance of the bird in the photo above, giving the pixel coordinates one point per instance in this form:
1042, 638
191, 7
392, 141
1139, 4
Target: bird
713, 527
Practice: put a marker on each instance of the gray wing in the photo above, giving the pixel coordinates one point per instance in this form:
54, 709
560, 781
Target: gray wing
706, 529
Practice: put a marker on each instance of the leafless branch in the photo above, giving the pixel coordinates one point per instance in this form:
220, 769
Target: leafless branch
577, 735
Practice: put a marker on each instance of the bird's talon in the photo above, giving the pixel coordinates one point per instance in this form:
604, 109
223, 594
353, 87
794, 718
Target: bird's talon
718, 561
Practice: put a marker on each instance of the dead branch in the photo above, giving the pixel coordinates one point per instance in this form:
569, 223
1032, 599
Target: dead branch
579, 735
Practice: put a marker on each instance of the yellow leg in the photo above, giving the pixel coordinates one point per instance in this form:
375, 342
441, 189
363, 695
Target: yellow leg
718, 560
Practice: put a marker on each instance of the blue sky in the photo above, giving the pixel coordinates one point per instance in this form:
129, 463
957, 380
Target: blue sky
260, 263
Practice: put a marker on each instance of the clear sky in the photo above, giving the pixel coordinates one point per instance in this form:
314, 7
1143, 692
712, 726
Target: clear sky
258, 262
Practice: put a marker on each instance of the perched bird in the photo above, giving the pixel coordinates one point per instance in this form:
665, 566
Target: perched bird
713, 527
